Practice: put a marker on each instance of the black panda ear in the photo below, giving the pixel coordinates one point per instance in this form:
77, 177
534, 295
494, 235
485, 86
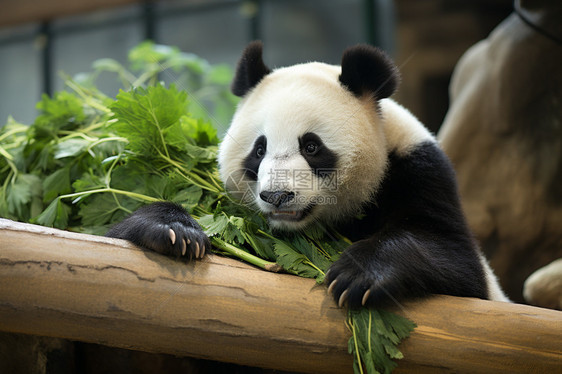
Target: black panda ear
366, 69
250, 70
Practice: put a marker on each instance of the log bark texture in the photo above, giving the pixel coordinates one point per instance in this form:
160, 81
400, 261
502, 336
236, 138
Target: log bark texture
106, 291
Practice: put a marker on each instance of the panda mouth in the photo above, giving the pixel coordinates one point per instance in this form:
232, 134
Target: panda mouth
290, 215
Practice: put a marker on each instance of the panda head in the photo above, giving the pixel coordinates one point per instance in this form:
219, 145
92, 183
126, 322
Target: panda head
306, 143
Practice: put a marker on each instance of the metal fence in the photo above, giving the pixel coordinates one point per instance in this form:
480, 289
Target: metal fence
32, 56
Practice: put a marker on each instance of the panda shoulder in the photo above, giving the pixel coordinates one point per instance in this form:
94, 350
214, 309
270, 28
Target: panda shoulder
403, 131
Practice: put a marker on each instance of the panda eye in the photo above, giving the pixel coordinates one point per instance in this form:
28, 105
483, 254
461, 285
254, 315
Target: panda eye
311, 148
260, 151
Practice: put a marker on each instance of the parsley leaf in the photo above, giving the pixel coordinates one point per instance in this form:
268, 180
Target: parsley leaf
144, 114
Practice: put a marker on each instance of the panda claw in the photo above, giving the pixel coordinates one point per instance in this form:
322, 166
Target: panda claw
197, 250
188, 241
332, 285
365, 297
172, 234
203, 251
183, 247
343, 298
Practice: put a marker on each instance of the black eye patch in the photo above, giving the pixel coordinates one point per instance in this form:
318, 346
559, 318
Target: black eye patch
253, 160
319, 157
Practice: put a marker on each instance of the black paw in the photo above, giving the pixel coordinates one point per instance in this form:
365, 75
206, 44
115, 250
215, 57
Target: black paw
360, 277
164, 228
177, 239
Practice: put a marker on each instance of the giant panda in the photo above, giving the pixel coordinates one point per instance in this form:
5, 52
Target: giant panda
316, 144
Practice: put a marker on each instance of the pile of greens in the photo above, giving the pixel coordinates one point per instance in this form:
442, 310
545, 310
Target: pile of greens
89, 160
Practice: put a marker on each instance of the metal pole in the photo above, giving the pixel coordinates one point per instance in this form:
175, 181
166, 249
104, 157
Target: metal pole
150, 19
45, 45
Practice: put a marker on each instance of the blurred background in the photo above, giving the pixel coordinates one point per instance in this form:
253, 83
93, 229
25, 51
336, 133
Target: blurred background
506, 145
41, 39
503, 135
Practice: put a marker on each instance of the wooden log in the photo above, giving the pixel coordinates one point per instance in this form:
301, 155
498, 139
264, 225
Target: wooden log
102, 290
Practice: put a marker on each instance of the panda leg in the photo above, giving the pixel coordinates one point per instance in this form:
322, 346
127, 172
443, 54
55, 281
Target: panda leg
164, 228
388, 268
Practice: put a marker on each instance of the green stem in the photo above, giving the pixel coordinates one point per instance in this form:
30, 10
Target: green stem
126, 77
119, 206
370, 330
191, 177
143, 78
14, 168
88, 99
110, 139
6, 154
7, 181
112, 190
266, 234
110, 170
74, 134
245, 256
201, 211
20, 128
160, 132
203, 182
358, 357
96, 125
197, 181
309, 263
341, 237
319, 247
211, 177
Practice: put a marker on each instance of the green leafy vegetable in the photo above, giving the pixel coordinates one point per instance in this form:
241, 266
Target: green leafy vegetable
88, 161
375, 336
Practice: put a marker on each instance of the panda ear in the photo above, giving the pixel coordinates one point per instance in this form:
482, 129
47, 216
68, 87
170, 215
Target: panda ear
366, 69
250, 70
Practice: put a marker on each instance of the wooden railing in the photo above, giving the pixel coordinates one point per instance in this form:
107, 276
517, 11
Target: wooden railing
101, 290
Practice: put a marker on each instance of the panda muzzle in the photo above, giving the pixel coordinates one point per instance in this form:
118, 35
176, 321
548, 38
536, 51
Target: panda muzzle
277, 198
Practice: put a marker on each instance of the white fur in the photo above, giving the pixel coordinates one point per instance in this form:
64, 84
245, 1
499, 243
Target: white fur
293, 101
495, 292
402, 129
303, 98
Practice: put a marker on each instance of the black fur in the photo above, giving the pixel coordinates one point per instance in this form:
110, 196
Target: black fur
367, 70
253, 160
323, 160
277, 198
250, 69
149, 228
414, 239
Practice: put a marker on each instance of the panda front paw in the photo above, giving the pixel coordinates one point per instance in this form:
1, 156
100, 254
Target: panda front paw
178, 240
165, 228
360, 278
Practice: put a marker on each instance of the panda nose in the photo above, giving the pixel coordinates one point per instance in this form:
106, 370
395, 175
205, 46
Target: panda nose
277, 198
